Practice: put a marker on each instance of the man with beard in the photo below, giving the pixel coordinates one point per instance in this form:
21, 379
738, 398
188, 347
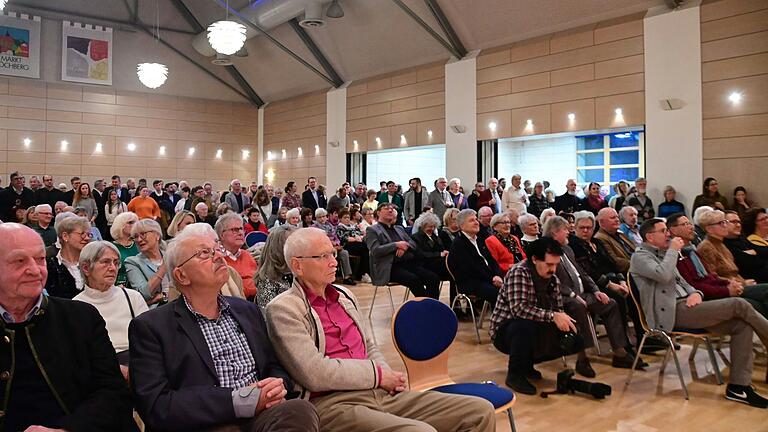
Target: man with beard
568, 202
641, 202
415, 200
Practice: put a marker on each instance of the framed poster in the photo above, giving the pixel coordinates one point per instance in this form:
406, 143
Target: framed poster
19, 45
86, 53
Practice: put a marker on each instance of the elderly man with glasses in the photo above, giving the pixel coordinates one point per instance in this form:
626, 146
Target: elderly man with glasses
320, 336
204, 361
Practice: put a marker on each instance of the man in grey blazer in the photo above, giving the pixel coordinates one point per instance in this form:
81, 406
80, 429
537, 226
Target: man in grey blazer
394, 257
669, 303
439, 199
237, 199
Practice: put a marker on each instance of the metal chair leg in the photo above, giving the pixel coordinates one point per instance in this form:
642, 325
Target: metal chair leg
406, 295
373, 301
713, 359
511, 420
694, 349
637, 357
391, 302
677, 365
593, 331
482, 314
664, 362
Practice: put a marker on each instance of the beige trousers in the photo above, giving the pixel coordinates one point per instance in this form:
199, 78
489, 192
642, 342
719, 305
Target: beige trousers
377, 411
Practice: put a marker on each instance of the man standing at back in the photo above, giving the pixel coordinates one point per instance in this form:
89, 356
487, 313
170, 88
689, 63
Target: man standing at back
48, 194
321, 337
491, 197
15, 195
568, 202
312, 198
439, 199
415, 200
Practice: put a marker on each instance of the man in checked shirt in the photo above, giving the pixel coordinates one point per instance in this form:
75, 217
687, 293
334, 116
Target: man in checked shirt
528, 322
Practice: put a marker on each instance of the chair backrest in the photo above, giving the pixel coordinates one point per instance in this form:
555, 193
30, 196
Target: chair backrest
255, 237
633, 295
423, 330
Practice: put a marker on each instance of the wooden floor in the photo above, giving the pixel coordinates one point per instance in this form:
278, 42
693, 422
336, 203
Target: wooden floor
651, 403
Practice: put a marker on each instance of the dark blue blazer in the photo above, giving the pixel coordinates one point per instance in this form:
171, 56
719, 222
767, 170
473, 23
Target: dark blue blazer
172, 373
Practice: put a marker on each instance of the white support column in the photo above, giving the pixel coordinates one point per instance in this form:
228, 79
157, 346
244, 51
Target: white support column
673, 148
461, 110
336, 137
260, 148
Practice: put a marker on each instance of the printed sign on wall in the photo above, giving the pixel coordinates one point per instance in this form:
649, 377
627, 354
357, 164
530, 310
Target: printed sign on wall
19, 45
86, 53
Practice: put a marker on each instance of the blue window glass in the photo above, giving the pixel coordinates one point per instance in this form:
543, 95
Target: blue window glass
624, 174
625, 139
590, 175
628, 157
590, 159
590, 142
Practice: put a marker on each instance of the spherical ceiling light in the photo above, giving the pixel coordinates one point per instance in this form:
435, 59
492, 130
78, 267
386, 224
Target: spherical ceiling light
226, 37
152, 75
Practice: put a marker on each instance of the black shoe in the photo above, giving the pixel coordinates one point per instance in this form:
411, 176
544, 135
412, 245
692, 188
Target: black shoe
746, 395
349, 281
584, 368
626, 362
520, 384
652, 345
533, 374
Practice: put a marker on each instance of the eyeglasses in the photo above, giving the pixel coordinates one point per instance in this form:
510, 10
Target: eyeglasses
324, 257
107, 262
142, 235
235, 230
204, 254
82, 234
722, 223
736, 222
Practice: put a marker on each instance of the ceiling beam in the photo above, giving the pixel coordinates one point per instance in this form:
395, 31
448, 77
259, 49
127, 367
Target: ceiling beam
225, 5
232, 69
445, 25
55, 11
315, 50
429, 29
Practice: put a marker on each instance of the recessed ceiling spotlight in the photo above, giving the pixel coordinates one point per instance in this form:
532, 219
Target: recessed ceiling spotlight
735, 97
131, 147
492, 126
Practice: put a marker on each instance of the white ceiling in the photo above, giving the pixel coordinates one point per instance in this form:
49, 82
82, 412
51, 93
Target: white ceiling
374, 36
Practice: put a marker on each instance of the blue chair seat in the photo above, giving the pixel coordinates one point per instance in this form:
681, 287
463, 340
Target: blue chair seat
690, 330
492, 393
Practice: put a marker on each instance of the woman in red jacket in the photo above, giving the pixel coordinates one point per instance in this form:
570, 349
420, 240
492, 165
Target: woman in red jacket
254, 223
503, 245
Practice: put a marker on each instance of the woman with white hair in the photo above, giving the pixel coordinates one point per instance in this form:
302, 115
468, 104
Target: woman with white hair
458, 198
701, 234
430, 246
64, 277
504, 246
274, 275
545, 215
293, 217
321, 222
202, 214
146, 271
121, 232
529, 224
99, 263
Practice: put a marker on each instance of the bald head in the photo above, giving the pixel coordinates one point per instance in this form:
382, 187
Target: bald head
22, 267
608, 220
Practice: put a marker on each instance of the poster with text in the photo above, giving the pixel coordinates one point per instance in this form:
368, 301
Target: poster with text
86, 53
19, 45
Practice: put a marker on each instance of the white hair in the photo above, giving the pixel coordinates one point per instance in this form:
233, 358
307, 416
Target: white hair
546, 214
294, 212
200, 205
454, 181
623, 212
526, 219
224, 219
583, 214
92, 252
320, 212
699, 211
425, 219
463, 215
119, 223
196, 230
41, 207
300, 242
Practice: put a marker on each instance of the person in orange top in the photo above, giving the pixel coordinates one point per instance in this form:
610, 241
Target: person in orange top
144, 206
229, 228
505, 248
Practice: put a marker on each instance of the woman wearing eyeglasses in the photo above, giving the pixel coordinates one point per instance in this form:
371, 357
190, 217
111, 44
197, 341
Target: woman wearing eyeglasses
756, 227
231, 234
64, 278
504, 246
146, 271
99, 262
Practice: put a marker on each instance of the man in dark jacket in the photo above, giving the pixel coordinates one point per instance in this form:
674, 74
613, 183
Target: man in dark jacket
123, 194
568, 202
205, 360
15, 195
470, 262
312, 198
69, 195
48, 194
63, 372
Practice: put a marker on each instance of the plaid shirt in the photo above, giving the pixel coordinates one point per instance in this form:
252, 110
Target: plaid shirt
517, 298
232, 357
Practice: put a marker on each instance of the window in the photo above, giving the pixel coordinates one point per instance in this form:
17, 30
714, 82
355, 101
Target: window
608, 158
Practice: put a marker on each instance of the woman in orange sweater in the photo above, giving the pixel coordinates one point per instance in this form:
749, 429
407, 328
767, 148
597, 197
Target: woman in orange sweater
505, 248
144, 206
